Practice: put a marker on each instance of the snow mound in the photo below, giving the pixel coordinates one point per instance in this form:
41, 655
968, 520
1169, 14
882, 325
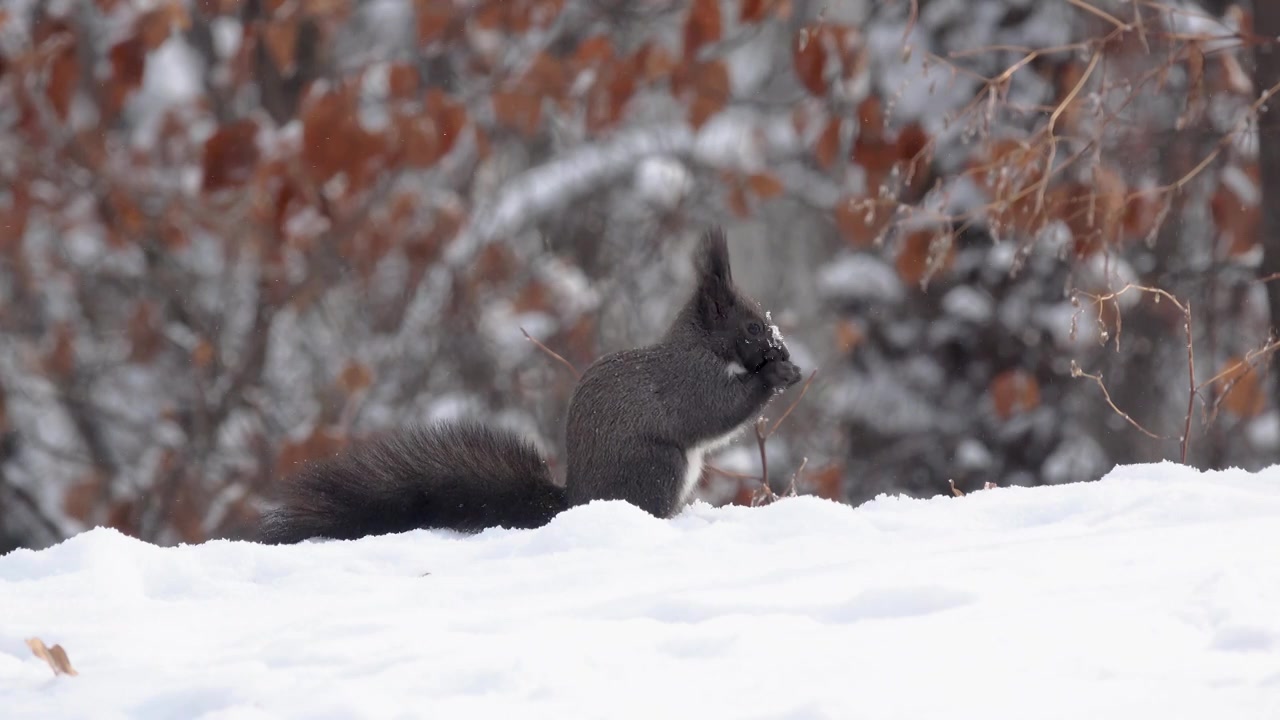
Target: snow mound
1149, 594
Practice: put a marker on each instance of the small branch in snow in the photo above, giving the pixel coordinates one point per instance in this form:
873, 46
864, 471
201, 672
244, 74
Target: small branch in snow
766, 494
791, 487
761, 438
1193, 389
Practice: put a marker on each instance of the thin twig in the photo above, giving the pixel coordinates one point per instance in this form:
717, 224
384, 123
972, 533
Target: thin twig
576, 373
1100, 13
803, 389
1077, 372
761, 437
1053, 125
791, 488
729, 473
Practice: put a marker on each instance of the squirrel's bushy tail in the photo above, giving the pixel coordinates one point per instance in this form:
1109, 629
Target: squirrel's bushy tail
461, 476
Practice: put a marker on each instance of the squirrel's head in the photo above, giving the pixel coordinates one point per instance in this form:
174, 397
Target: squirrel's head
733, 323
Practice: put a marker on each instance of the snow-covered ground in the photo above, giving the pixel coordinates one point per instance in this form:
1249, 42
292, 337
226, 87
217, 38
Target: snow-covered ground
1154, 593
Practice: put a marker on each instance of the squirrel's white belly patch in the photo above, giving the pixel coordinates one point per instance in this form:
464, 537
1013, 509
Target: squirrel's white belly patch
696, 455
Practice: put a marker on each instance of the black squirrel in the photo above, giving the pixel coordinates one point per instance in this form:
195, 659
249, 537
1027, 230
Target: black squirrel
639, 424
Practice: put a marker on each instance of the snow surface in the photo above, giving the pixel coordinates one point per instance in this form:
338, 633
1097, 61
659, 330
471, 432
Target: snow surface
1149, 594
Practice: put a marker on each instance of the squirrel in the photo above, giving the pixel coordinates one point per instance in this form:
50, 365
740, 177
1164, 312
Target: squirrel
639, 424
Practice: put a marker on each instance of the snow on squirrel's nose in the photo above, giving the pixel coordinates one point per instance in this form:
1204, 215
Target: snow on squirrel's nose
775, 335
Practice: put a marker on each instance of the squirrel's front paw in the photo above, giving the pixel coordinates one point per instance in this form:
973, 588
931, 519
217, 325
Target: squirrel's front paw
780, 374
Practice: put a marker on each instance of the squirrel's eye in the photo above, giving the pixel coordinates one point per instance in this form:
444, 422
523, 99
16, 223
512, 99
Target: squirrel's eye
754, 328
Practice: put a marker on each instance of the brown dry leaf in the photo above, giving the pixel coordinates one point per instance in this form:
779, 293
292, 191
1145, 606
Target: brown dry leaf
703, 87
654, 62
203, 353
334, 141
849, 335
14, 216
1110, 191
592, 52
609, 95
912, 144
955, 490
60, 362
1141, 214
1095, 212
123, 516
128, 63
701, 27
765, 185
55, 656
449, 116
121, 212
1244, 396
753, 11
827, 482
861, 224
877, 159
518, 110
322, 442
1019, 213
535, 296
81, 498
1007, 165
871, 119
1014, 391
711, 82
737, 199
417, 138
580, 342
185, 514
809, 59
145, 340
402, 81
1068, 76
494, 264
355, 377
1238, 222
745, 495
919, 260
912, 140
64, 74
828, 145
155, 26
1195, 69
281, 40
547, 76
230, 155
435, 21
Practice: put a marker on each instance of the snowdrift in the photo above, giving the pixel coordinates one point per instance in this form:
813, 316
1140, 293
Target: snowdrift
1153, 593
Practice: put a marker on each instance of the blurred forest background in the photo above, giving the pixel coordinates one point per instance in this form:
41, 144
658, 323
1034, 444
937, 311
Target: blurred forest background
236, 234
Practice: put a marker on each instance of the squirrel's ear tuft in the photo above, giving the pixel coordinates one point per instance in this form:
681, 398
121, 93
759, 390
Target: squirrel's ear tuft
713, 256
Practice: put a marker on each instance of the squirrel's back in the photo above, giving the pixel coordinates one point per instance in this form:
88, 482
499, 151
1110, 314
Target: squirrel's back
462, 476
